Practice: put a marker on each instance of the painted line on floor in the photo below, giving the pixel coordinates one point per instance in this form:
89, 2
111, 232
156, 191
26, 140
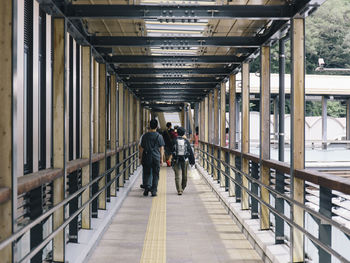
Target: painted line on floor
154, 246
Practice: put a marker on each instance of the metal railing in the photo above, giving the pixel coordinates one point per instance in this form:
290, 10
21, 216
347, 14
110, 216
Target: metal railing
129, 163
327, 198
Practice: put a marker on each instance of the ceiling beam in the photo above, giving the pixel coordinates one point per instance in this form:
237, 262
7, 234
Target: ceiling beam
174, 60
181, 13
184, 80
173, 71
176, 42
171, 86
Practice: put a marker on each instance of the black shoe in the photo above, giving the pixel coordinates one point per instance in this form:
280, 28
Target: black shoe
154, 194
145, 193
141, 186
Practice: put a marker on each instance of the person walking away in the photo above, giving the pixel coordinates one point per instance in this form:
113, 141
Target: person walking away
152, 152
182, 156
143, 170
168, 143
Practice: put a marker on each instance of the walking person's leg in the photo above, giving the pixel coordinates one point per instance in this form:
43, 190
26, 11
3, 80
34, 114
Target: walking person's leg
184, 167
176, 168
155, 178
146, 176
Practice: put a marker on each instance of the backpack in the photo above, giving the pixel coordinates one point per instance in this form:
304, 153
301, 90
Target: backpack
181, 148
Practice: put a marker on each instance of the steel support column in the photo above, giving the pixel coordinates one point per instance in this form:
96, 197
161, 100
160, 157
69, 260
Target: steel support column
245, 132
325, 230
279, 232
298, 132
265, 134
324, 122
348, 121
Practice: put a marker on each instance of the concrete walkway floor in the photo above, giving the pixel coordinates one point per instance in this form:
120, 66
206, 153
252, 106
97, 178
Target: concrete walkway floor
169, 228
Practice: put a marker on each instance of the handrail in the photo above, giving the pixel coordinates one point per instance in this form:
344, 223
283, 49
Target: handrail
4, 194
322, 179
315, 177
26, 228
31, 181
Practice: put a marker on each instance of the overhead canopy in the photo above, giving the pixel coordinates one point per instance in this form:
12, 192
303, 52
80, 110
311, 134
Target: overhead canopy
177, 52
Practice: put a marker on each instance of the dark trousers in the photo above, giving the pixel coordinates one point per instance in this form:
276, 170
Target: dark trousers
152, 169
146, 180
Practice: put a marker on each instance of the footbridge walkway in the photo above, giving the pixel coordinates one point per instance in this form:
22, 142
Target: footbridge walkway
80, 82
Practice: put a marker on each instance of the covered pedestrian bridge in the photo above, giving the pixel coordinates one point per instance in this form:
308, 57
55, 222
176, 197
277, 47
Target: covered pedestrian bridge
80, 81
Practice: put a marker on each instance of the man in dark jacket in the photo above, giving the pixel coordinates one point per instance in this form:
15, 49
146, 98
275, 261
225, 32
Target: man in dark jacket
152, 154
182, 155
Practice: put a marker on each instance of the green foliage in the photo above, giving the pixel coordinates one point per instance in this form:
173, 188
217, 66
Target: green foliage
327, 36
335, 108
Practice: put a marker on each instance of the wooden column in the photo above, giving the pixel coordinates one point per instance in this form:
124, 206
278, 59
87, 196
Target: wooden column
216, 132
113, 130
209, 111
245, 131
298, 130
59, 123
222, 131
232, 128
86, 108
120, 129
138, 125
131, 127
206, 128
126, 129
265, 132
102, 133
9, 86
95, 106
201, 129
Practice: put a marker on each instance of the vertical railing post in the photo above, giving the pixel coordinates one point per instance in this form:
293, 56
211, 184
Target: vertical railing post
347, 116
265, 134
245, 132
325, 230
324, 122
59, 138
86, 107
255, 190
298, 132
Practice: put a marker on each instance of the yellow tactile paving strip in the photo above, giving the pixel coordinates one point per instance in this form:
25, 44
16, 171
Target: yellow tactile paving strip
154, 248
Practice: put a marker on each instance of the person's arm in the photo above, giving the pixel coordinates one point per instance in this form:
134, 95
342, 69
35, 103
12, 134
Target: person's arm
161, 149
191, 157
140, 153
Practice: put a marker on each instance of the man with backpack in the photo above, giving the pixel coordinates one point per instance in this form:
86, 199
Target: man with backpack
182, 155
152, 154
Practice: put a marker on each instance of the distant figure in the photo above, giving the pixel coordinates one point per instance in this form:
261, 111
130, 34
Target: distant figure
182, 155
167, 136
143, 170
152, 152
